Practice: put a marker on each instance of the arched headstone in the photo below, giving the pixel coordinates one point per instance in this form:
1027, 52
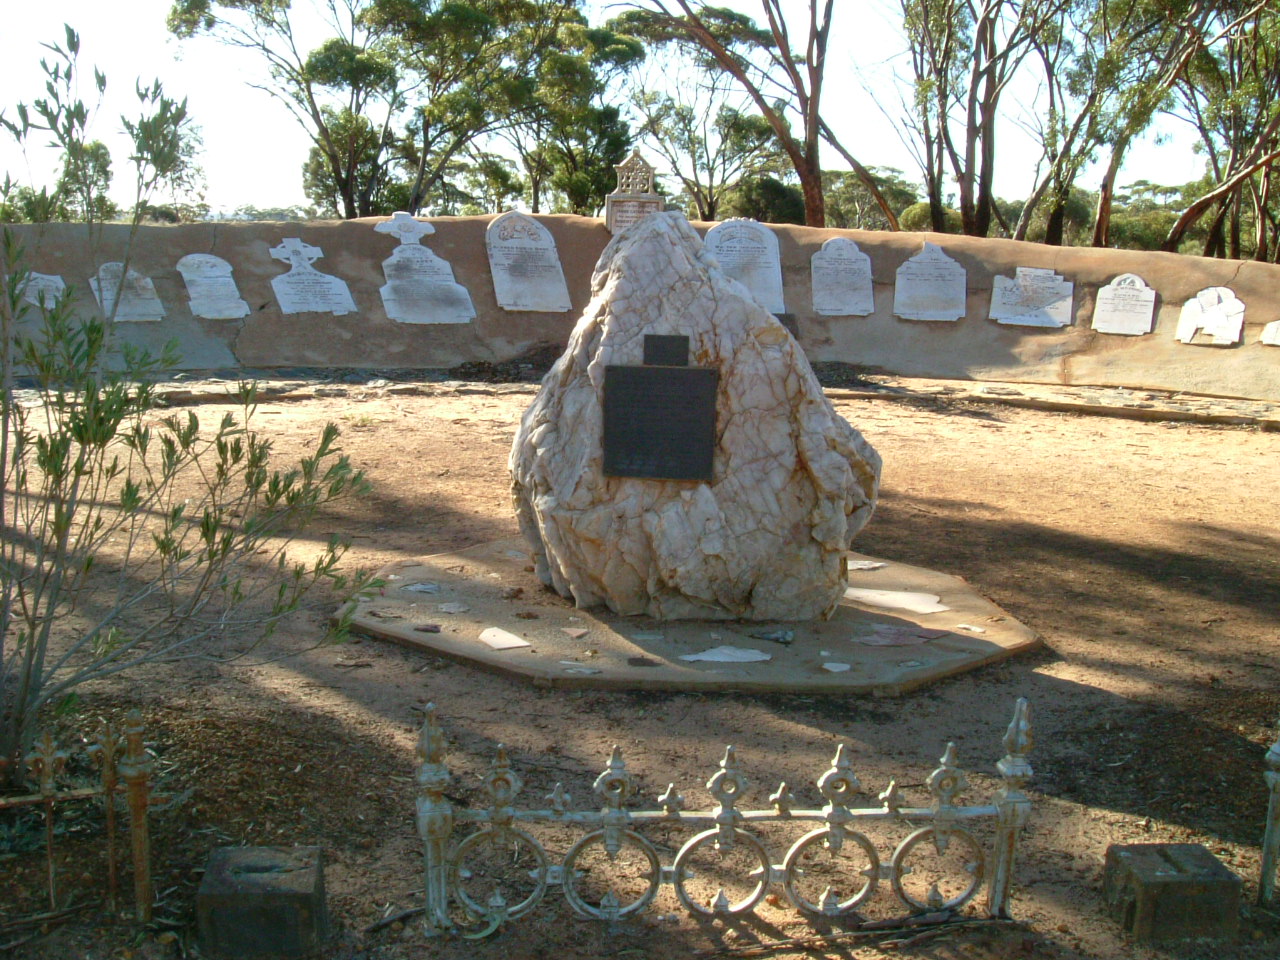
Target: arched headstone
748, 252
420, 286
304, 289
525, 265
1125, 306
211, 287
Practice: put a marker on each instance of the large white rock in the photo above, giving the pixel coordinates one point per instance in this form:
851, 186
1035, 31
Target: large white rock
792, 481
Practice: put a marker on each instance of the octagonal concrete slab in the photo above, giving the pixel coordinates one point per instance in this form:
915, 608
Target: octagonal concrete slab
484, 606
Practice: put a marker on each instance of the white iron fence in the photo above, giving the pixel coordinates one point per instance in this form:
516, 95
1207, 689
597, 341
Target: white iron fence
500, 871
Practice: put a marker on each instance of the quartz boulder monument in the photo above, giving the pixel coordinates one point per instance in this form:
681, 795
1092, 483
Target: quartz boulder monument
717, 483
686, 496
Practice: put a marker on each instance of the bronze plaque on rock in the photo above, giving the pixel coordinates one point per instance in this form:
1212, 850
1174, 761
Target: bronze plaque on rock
660, 422
666, 350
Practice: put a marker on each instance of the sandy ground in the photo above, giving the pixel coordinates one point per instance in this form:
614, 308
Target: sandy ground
1144, 553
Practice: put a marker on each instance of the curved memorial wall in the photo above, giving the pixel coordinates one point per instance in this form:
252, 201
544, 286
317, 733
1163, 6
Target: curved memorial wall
384, 293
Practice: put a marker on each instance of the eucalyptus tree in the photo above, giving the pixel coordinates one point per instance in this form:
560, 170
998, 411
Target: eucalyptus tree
1106, 68
963, 56
1230, 92
568, 133
697, 122
352, 79
784, 79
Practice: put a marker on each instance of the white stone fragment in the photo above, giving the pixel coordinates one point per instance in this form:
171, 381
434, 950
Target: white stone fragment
1215, 316
304, 289
835, 666
791, 484
970, 627
1271, 334
1033, 297
500, 639
137, 294
841, 275
747, 251
211, 287
867, 565
452, 607
525, 265
49, 286
896, 600
930, 286
424, 586
727, 654
1125, 306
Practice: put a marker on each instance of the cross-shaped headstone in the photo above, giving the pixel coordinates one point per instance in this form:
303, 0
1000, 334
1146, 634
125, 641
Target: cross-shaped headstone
406, 227
293, 246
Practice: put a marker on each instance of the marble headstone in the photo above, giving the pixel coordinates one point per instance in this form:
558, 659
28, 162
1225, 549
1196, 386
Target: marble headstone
633, 199
1125, 306
525, 265
138, 300
1214, 317
49, 286
211, 287
841, 280
930, 286
420, 286
790, 481
304, 289
747, 250
1033, 297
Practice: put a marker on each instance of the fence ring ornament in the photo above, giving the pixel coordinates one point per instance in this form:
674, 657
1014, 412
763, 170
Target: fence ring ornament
793, 870
569, 881
976, 866
491, 837
680, 870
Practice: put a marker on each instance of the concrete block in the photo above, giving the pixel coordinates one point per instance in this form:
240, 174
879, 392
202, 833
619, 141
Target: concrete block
257, 901
1171, 891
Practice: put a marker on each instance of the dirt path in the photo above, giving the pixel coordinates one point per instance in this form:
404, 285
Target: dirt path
1146, 554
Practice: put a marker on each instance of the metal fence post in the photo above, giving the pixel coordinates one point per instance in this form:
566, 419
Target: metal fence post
435, 823
135, 771
1271, 838
1013, 806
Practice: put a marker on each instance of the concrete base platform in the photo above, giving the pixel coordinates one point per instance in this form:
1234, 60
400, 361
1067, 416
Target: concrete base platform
443, 605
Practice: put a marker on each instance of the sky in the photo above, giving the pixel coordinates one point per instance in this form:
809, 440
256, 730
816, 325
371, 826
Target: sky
254, 150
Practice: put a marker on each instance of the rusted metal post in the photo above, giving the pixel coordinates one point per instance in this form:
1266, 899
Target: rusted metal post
1013, 806
135, 770
1271, 838
106, 746
46, 762
435, 824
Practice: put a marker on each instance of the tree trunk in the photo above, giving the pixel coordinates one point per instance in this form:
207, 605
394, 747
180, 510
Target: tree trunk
1057, 219
815, 213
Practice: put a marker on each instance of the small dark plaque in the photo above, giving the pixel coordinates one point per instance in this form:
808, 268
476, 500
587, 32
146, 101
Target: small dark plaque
660, 422
666, 350
788, 320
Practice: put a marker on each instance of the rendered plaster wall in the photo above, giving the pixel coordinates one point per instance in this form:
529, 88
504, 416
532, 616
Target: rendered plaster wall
972, 348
